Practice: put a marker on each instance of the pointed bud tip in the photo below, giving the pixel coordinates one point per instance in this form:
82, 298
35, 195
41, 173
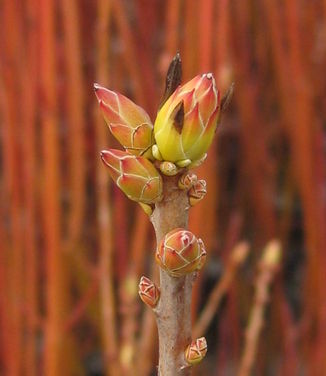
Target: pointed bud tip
96, 86
208, 75
105, 154
143, 278
98, 89
177, 57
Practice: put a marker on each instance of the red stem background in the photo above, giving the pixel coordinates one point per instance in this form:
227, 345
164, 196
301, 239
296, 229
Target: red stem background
73, 247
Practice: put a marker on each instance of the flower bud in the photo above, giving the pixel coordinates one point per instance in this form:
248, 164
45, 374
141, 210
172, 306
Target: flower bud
196, 351
186, 123
197, 192
180, 253
148, 292
129, 123
135, 176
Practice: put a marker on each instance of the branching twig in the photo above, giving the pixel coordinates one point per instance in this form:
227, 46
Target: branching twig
153, 170
268, 267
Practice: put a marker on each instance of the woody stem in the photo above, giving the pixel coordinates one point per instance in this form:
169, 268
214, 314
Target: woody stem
173, 310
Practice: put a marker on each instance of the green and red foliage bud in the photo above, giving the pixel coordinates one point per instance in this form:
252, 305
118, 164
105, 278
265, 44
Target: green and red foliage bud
186, 123
136, 176
128, 122
149, 293
180, 253
197, 192
196, 351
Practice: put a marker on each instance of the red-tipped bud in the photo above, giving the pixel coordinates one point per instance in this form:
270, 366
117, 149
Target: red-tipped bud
149, 293
180, 253
186, 123
197, 192
187, 180
196, 351
135, 176
129, 123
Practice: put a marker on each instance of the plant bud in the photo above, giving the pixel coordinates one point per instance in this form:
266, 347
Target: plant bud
148, 209
129, 123
148, 292
168, 168
197, 192
135, 176
180, 253
196, 351
186, 123
187, 180
203, 255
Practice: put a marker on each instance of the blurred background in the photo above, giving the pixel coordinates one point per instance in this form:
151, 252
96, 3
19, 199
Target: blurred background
73, 247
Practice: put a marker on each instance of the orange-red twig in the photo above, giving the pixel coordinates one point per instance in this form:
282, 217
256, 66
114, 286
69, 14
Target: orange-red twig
104, 208
75, 110
11, 72
30, 194
53, 363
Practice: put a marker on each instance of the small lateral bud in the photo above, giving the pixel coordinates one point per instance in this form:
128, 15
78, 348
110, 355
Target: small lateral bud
180, 253
156, 153
196, 351
187, 180
148, 292
148, 209
197, 192
168, 168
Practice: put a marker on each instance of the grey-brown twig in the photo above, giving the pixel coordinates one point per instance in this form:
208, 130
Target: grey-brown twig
173, 310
